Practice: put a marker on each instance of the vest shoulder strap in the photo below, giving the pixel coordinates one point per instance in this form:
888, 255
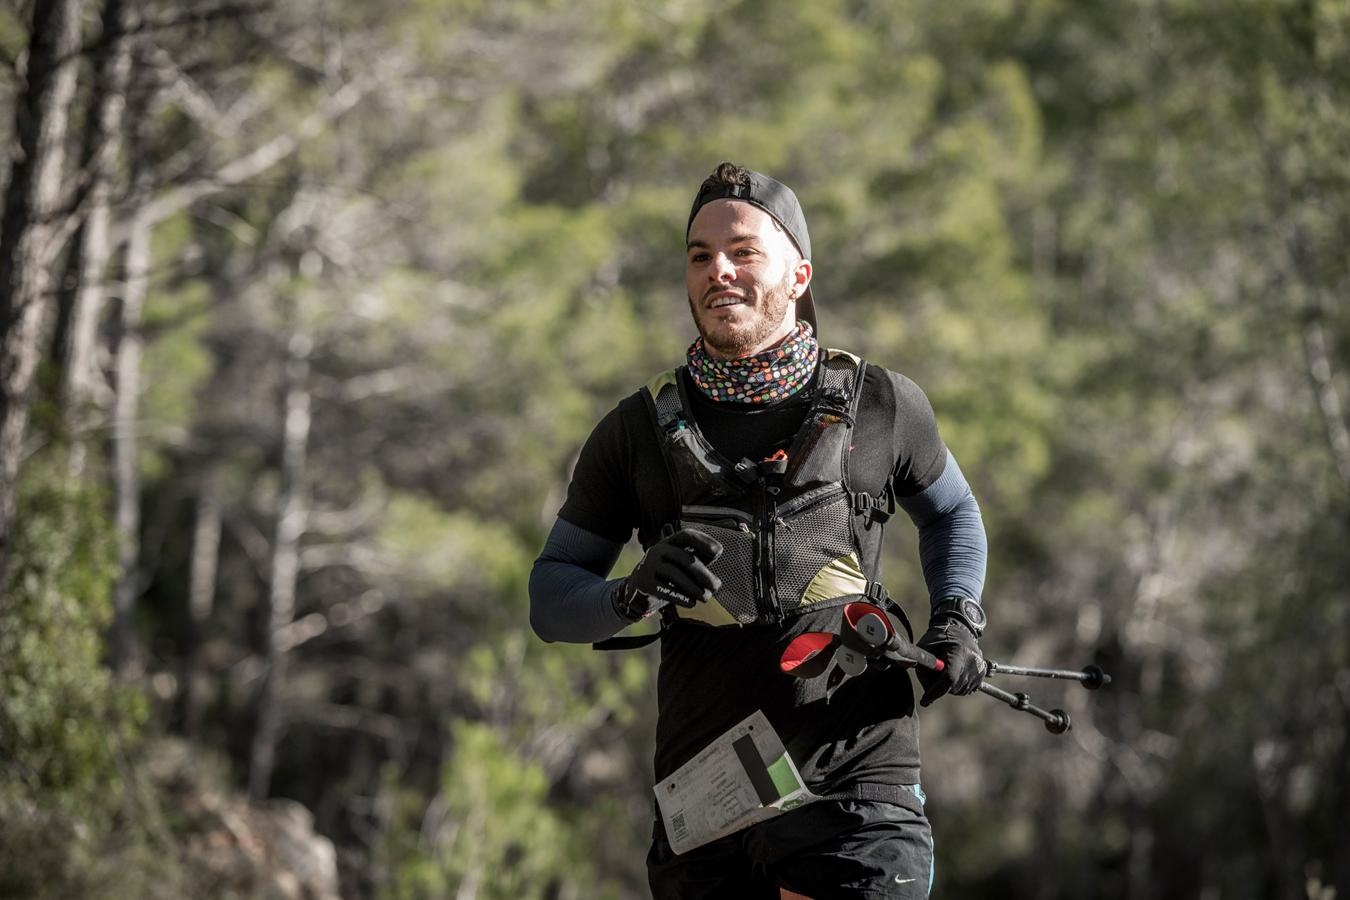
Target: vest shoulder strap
668, 377
663, 397
876, 419
841, 378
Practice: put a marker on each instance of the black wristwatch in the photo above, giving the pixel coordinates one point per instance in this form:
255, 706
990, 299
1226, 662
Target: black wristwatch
628, 604
964, 610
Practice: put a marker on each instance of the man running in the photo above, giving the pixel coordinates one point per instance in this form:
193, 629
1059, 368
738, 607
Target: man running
758, 476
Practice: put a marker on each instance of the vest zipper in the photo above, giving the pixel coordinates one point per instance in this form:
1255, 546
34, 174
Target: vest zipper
767, 551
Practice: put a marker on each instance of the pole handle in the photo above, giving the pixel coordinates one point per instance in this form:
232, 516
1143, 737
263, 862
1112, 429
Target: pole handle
874, 632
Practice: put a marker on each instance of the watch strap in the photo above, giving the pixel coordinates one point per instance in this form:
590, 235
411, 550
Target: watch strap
628, 604
965, 610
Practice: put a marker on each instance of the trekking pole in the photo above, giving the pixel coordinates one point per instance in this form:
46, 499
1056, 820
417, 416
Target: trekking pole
1057, 721
1092, 677
881, 639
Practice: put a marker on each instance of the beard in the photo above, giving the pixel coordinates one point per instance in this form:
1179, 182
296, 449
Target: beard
741, 339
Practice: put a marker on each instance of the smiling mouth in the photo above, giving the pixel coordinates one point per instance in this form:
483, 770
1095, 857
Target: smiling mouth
721, 300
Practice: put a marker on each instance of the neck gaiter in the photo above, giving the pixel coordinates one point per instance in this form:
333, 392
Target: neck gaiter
765, 377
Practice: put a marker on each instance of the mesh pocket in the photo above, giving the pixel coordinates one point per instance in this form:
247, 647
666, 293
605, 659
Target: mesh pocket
736, 565
808, 541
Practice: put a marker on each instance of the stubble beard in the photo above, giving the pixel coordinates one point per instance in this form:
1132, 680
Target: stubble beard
736, 342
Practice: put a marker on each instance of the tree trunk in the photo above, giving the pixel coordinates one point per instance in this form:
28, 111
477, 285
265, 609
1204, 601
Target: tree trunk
29, 232
292, 519
1341, 872
201, 599
1318, 356
1321, 374
82, 388
126, 468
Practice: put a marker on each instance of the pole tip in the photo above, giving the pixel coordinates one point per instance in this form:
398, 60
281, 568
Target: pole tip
1059, 722
1094, 677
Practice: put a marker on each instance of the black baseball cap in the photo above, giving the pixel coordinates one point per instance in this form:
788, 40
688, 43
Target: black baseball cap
776, 199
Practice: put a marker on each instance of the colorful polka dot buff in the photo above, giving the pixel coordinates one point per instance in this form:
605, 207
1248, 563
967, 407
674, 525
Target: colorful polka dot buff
766, 377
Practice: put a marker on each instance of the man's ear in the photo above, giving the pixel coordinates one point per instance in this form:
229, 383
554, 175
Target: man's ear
801, 278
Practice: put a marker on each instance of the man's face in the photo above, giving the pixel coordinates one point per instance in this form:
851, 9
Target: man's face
743, 277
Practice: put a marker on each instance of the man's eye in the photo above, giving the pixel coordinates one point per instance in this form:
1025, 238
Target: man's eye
699, 257
745, 251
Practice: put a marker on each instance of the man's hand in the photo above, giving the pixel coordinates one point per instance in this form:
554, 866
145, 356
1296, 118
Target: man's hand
675, 570
963, 664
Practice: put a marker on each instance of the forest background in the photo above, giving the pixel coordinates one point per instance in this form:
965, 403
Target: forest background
309, 304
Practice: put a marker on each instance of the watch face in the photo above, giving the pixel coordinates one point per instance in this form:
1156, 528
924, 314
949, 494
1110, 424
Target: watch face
973, 612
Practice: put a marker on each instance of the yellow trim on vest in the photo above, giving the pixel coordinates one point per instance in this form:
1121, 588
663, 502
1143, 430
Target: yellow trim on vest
710, 613
660, 381
840, 578
832, 353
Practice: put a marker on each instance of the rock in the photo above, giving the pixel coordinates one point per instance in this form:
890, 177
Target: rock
233, 848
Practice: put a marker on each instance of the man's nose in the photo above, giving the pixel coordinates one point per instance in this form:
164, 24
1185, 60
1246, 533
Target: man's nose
722, 268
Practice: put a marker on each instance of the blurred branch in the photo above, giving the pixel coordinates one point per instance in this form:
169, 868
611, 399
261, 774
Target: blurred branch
183, 88
346, 521
347, 718
198, 104
205, 16
255, 544
384, 382
350, 555
237, 11
557, 745
1320, 373
260, 159
257, 161
314, 625
239, 228
266, 39
70, 218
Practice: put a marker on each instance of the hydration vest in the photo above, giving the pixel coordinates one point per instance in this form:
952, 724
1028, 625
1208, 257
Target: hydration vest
795, 536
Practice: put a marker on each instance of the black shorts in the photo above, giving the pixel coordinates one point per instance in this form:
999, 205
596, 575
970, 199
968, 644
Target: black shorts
831, 848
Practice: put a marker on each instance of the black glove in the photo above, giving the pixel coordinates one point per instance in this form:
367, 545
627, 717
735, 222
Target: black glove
675, 570
963, 664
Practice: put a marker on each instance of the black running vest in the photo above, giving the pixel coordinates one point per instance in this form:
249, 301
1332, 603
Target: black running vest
795, 537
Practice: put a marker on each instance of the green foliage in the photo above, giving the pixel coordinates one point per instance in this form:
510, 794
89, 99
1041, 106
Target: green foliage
424, 548
56, 690
69, 733
491, 832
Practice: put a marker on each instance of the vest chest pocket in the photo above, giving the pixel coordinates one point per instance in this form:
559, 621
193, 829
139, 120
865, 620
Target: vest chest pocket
735, 531
814, 556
